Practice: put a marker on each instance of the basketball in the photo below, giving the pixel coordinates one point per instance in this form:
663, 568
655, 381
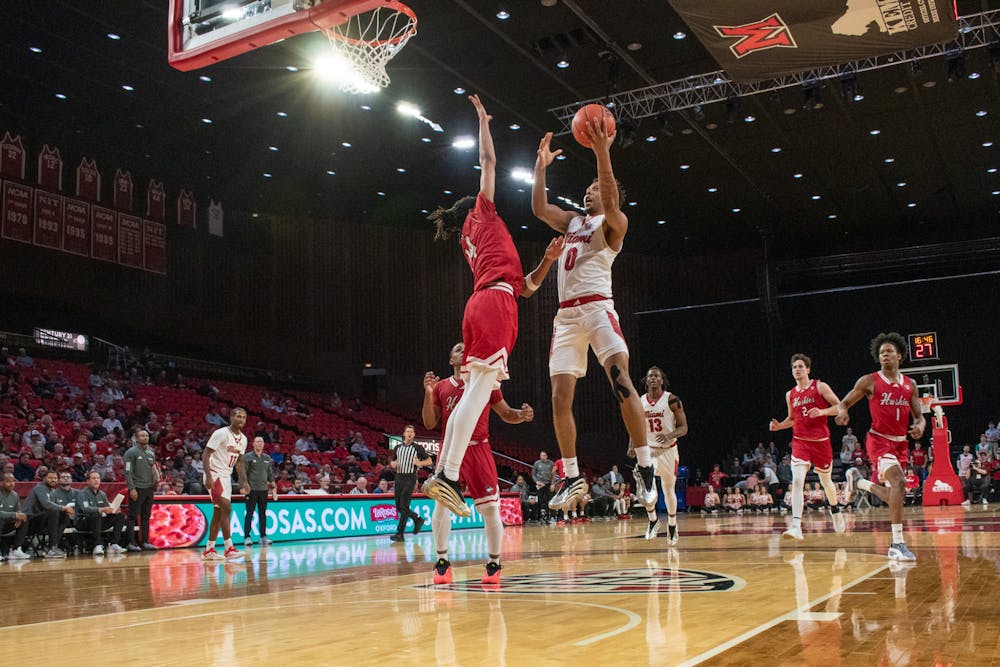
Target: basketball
590, 113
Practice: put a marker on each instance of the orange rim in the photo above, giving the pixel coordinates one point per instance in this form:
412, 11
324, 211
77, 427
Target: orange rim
396, 6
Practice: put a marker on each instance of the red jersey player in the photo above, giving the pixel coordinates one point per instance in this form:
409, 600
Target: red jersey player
809, 404
489, 325
478, 470
892, 400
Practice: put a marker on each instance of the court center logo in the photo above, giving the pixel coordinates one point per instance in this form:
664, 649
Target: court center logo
638, 581
767, 33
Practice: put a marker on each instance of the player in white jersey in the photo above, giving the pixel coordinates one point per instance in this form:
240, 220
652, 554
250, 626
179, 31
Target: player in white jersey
224, 452
665, 422
587, 316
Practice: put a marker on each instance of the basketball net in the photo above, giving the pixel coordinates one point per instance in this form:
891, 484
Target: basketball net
367, 41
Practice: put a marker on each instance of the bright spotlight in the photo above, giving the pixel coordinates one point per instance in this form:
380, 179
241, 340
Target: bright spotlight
523, 175
408, 109
337, 70
464, 143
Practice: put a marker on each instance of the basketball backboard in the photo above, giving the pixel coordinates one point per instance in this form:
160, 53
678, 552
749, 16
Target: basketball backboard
204, 32
939, 381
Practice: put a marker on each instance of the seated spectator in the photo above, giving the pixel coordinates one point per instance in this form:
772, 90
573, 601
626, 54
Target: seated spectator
12, 518
111, 422
46, 516
977, 479
23, 359
104, 468
381, 487
23, 470
602, 498
621, 500
284, 483
96, 515
913, 490
712, 501
340, 453
214, 418
298, 489
79, 469
176, 487
36, 443
335, 401
733, 501
361, 486
815, 497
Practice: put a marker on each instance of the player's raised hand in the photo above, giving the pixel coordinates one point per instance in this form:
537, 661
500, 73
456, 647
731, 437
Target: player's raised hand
555, 248
773, 425
527, 412
430, 379
600, 141
480, 109
545, 154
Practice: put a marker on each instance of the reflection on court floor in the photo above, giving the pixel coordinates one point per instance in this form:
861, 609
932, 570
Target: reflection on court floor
731, 592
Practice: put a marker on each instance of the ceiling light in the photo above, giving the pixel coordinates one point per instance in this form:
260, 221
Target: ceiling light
929, 84
776, 149
995, 193
899, 90
562, 64
464, 143
982, 112
282, 114
515, 126
345, 144
206, 121
737, 210
815, 197
459, 91
685, 167
749, 119
34, 49
991, 170
633, 46
661, 222
858, 97
987, 144
60, 96
401, 170
127, 87
337, 70
874, 133
796, 175
366, 107
426, 140
447, 192
901, 184
889, 160
832, 216
560, 157
408, 109
679, 35
524, 226
633, 203
503, 15
973, 75
380, 193
273, 148
267, 174
205, 78
911, 205
522, 174
651, 138
330, 172
113, 36
292, 68
713, 190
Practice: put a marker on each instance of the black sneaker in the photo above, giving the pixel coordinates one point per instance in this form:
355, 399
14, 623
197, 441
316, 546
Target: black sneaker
448, 492
397, 537
645, 487
569, 490
418, 523
133, 547
672, 534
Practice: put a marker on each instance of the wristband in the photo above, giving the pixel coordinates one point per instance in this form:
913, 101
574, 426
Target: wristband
530, 284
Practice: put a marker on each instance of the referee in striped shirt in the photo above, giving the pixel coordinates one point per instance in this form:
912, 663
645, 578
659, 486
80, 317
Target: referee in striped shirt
406, 458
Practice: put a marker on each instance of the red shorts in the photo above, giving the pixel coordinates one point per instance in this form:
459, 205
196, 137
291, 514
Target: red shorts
818, 453
489, 329
479, 472
885, 453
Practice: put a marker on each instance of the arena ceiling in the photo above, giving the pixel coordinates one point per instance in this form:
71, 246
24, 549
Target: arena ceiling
912, 162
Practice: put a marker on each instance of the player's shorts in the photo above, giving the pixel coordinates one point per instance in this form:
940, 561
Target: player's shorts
817, 453
479, 472
886, 452
576, 328
222, 486
665, 460
489, 329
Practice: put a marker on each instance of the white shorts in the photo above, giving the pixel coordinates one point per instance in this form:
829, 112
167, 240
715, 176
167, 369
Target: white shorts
223, 480
594, 325
665, 461
886, 461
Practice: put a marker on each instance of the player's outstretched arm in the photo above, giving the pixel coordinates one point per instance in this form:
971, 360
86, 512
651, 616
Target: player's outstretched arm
487, 155
680, 421
862, 388
550, 214
830, 397
430, 412
512, 416
600, 143
787, 422
534, 280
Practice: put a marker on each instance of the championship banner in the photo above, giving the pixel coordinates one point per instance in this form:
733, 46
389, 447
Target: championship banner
183, 522
129, 241
76, 227
769, 38
48, 220
17, 222
104, 234
154, 246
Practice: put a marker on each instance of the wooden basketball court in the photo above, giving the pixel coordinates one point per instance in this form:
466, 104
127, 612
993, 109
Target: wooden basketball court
731, 593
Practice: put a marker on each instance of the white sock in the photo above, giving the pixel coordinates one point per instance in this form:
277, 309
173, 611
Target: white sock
643, 456
651, 514
493, 525
441, 527
573, 514
897, 533
671, 519
465, 417
796, 522
798, 493
864, 484
228, 543
571, 467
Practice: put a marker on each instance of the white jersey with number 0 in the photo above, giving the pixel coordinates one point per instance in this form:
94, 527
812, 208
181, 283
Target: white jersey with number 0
659, 420
585, 264
226, 448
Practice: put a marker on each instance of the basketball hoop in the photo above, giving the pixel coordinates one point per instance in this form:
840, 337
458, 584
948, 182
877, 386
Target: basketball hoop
366, 42
927, 403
